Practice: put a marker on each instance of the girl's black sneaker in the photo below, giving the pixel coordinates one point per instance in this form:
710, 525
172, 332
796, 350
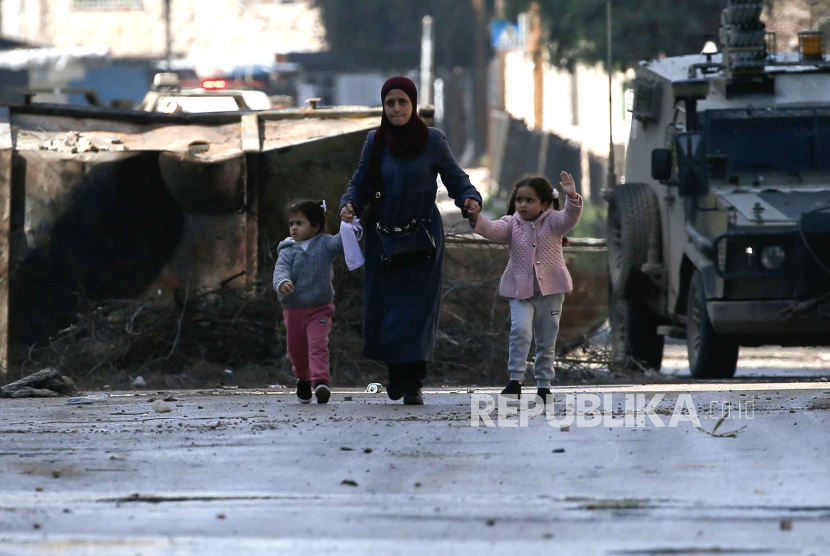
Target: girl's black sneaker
304, 391
545, 394
322, 393
513, 388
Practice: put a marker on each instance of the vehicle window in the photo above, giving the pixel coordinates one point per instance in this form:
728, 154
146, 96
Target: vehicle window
256, 100
823, 127
769, 141
196, 105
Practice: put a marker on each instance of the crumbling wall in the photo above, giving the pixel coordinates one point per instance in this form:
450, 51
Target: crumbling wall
96, 230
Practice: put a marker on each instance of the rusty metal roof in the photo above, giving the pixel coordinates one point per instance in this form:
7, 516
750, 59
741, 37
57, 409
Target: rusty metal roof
71, 131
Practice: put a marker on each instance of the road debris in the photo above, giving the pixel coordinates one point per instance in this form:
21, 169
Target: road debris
86, 400
730, 434
161, 407
374, 388
348, 482
47, 383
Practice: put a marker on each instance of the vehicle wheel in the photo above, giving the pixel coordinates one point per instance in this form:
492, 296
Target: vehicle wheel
633, 216
634, 332
710, 355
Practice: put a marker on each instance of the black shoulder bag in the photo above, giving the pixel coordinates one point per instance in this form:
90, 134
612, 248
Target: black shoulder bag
405, 245
402, 246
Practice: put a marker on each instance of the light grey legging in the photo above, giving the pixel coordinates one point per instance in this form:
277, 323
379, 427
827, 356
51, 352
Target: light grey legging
539, 314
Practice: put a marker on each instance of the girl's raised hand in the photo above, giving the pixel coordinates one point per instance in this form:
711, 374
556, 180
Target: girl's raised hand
568, 185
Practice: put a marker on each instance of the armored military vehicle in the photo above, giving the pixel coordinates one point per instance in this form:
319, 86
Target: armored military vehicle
721, 232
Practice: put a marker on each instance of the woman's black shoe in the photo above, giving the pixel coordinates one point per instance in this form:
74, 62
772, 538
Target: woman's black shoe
413, 397
394, 391
513, 388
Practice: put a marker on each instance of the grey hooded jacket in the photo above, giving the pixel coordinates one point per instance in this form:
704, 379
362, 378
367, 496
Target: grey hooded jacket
310, 271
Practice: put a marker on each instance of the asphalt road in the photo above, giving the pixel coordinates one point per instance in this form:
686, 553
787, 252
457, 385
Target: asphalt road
257, 473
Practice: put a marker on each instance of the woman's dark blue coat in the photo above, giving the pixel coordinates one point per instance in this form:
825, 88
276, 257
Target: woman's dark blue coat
402, 306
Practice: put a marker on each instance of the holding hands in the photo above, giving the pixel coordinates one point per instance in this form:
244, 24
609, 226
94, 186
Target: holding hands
347, 214
470, 203
568, 185
473, 211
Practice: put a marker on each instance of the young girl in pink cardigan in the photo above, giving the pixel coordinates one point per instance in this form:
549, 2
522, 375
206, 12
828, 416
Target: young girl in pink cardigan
536, 278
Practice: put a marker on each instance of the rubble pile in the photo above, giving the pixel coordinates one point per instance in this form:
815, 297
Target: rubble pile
48, 383
191, 342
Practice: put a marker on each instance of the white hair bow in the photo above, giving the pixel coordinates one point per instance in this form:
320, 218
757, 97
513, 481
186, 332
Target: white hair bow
324, 206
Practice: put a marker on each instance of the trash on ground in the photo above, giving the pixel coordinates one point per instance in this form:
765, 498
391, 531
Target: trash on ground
97, 398
228, 378
374, 388
276, 387
730, 434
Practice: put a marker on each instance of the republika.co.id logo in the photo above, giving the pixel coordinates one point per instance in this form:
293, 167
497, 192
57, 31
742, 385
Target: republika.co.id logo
594, 410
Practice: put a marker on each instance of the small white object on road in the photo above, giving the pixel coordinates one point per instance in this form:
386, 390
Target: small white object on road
161, 407
97, 398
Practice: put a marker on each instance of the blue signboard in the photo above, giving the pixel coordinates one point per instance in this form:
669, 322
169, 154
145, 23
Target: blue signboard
506, 35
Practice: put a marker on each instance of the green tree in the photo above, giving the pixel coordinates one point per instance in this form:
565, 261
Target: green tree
642, 29
387, 35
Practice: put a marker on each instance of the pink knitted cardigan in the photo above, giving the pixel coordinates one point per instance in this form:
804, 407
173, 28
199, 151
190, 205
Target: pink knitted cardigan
535, 249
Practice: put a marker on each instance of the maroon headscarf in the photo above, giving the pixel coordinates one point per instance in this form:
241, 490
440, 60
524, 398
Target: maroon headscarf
406, 141
409, 140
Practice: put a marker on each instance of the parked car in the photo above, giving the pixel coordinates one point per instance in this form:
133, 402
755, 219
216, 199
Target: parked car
167, 96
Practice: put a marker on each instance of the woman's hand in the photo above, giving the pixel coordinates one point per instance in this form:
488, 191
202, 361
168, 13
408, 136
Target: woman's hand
473, 213
568, 185
469, 203
287, 288
347, 213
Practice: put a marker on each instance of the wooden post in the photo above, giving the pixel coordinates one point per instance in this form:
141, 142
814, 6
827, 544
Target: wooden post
6, 152
501, 13
481, 109
536, 43
251, 146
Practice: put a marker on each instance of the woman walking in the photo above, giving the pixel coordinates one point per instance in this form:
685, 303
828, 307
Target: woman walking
393, 193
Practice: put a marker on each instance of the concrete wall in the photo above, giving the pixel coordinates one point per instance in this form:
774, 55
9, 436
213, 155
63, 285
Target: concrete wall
575, 108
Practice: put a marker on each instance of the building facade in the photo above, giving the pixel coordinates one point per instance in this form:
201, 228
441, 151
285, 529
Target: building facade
202, 30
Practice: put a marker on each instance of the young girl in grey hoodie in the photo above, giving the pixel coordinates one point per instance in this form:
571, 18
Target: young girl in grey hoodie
302, 278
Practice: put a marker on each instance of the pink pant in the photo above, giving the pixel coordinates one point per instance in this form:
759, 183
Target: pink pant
307, 332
